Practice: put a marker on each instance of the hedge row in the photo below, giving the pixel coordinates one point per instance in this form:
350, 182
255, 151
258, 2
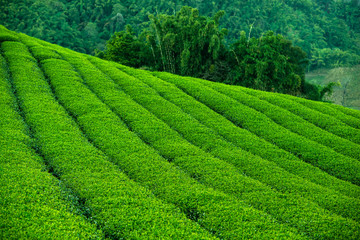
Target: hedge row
348, 111
121, 207
225, 216
297, 124
6, 35
243, 138
323, 121
32, 204
320, 156
340, 113
206, 169
265, 171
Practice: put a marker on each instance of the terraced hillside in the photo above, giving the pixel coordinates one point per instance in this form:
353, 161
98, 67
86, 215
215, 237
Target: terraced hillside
91, 149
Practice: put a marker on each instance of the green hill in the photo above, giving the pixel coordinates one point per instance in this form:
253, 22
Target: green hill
92, 149
348, 93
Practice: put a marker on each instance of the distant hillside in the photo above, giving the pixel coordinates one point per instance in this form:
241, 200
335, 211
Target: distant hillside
348, 94
91, 149
328, 31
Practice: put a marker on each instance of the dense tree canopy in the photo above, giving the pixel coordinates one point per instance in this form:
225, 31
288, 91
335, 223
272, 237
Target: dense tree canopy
193, 45
268, 63
328, 31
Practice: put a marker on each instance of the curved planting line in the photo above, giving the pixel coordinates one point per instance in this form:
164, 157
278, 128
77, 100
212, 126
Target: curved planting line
265, 171
206, 169
323, 157
351, 112
246, 140
243, 138
324, 121
295, 123
328, 109
32, 205
116, 203
221, 214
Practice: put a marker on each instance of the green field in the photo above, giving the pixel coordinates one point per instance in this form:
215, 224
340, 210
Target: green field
92, 149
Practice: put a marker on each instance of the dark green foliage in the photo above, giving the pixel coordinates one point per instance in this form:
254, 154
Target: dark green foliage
187, 43
125, 48
322, 29
269, 63
193, 45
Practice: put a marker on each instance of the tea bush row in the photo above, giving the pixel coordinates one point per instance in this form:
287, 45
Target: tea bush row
221, 214
265, 171
202, 166
327, 122
279, 114
32, 204
243, 138
348, 116
121, 207
320, 156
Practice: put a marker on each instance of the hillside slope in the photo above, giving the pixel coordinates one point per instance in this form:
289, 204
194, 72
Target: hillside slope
348, 94
93, 149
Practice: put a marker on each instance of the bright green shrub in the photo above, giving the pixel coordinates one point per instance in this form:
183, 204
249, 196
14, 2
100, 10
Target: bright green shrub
295, 123
114, 202
324, 121
243, 138
41, 53
320, 156
211, 209
32, 204
340, 113
179, 149
198, 164
265, 172
348, 111
6, 35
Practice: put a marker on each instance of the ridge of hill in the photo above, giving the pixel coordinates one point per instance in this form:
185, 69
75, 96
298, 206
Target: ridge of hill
94, 149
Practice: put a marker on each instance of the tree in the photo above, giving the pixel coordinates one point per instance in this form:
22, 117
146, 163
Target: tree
268, 63
185, 43
124, 47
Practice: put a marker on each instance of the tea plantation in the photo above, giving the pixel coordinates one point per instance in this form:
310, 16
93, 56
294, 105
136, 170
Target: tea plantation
91, 149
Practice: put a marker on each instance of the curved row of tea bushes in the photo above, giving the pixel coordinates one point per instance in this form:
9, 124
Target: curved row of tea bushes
328, 109
200, 165
223, 215
244, 139
323, 121
297, 124
265, 171
32, 204
320, 156
348, 111
6, 35
121, 207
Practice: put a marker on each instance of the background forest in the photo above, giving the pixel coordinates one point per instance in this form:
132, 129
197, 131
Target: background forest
328, 32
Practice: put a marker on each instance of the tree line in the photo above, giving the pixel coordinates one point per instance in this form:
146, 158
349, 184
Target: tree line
328, 31
193, 45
